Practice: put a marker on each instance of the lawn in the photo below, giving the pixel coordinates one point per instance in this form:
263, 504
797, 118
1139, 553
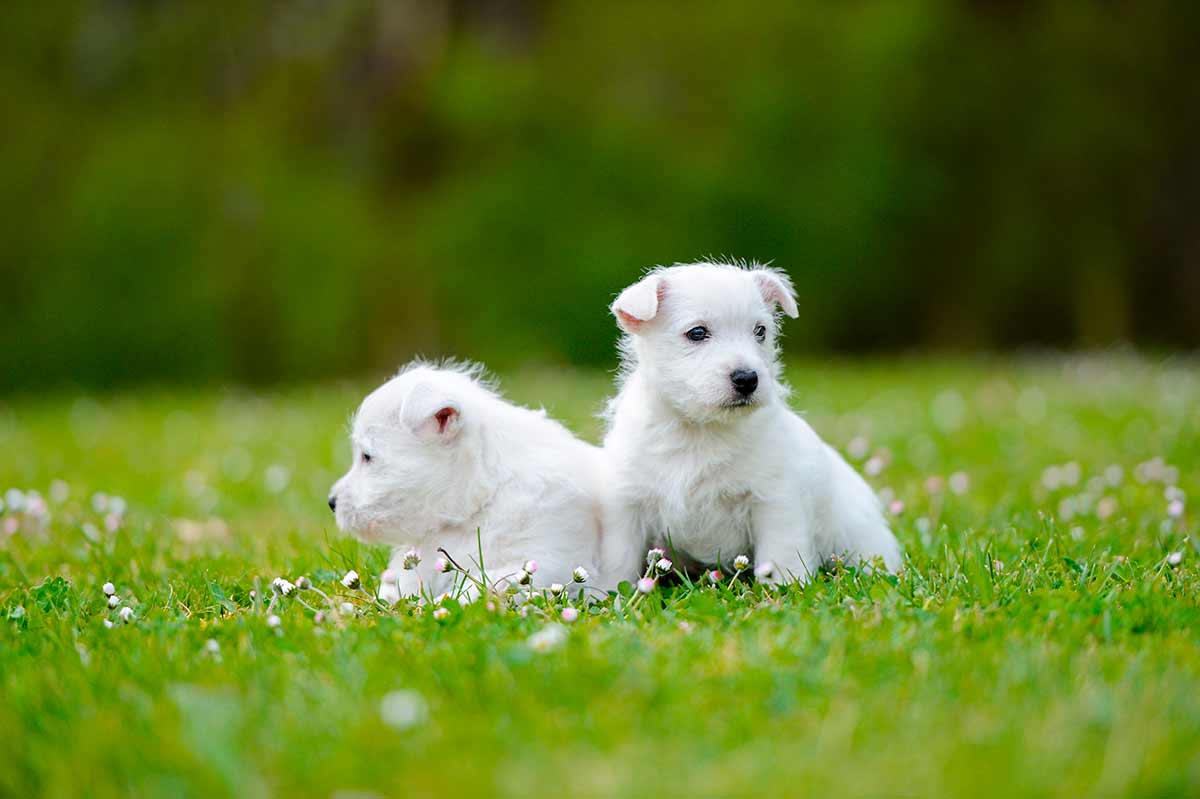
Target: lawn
1043, 639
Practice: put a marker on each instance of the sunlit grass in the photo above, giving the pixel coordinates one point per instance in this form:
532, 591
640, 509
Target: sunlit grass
1041, 641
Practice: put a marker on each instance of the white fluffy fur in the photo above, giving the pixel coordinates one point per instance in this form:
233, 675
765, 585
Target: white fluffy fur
706, 471
449, 457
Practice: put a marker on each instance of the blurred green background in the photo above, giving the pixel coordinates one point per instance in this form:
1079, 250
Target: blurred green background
200, 192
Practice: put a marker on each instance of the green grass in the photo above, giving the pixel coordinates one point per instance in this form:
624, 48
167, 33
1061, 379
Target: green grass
1021, 652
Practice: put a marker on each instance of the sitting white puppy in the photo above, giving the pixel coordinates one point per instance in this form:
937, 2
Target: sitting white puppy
441, 461
708, 458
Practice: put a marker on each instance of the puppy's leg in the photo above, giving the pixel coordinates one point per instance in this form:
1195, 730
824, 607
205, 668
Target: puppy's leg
623, 545
785, 548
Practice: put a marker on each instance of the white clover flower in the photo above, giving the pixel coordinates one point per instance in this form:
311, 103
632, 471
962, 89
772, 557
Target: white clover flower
212, 646
109, 589
125, 614
569, 615
441, 613
1175, 558
548, 638
441, 565
654, 555
273, 621
764, 570
114, 600
556, 588
580, 575
351, 580
401, 710
646, 585
347, 608
741, 563
664, 565
412, 559
283, 587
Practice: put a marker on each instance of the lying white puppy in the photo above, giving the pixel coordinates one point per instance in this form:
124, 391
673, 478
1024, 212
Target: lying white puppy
441, 461
708, 458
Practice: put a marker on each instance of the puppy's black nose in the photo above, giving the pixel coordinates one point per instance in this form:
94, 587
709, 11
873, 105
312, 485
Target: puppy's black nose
333, 503
744, 381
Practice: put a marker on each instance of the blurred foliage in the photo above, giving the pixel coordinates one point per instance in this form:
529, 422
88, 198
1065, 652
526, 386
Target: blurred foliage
263, 191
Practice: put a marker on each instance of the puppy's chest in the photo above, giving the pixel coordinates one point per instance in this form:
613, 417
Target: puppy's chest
703, 508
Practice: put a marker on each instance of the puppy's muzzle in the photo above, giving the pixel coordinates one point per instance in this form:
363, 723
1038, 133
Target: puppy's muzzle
745, 381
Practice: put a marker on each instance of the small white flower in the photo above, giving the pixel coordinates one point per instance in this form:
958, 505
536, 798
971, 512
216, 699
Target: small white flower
99, 502
1106, 507
741, 563
874, 466
441, 565
664, 565
441, 613
1175, 508
412, 559
351, 580
580, 575
283, 587
212, 646
303, 583
109, 589
114, 600
273, 620
1175, 558
531, 566
556, 588
654, 555
524, 577
896, 507
569, 615
59, 491
959, 483
548, 638
858, 447
646, 585
347, 608
125, 614
764, 570
108, 623
116, 505
401, 710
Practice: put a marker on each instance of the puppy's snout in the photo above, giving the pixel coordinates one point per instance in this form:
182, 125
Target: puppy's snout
745, 381
333, 502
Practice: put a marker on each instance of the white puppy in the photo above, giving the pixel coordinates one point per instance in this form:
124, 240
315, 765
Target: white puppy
707, 456
441, 461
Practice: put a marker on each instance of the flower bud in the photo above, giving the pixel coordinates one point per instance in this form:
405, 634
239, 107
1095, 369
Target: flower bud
580, 575
351, 580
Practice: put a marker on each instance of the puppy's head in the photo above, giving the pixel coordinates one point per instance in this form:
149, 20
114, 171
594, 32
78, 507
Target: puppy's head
703, 336
411, 447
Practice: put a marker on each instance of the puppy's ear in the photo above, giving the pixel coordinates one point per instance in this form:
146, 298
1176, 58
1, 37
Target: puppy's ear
431, 413
776, 288
639, 303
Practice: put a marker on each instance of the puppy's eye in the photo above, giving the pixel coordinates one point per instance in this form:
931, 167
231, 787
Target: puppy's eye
760, 332
366, 457
697, 333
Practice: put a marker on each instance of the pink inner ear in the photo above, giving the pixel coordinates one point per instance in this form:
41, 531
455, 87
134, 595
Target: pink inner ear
443, 417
